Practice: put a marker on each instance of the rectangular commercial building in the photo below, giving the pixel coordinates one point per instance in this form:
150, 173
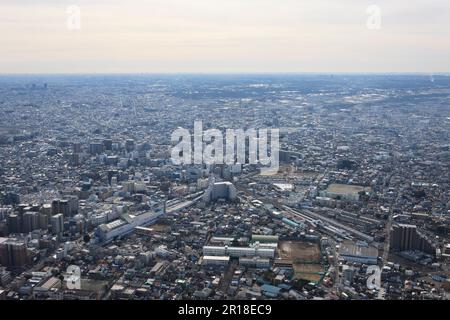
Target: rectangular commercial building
216, 260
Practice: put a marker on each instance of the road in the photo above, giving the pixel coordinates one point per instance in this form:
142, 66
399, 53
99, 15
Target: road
387, 239
228, 276
337, 279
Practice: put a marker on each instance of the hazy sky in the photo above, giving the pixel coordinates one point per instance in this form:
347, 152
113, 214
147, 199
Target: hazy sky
224, 36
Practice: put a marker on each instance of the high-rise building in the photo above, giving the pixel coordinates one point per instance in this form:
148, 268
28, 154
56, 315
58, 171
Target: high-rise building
46, 209
76, 147
73, 205
30, 221
75, 159
13, 253
406, 237
14, 223
43, 221
107, 144
18, 253
4, 212
64, 207
220, 190
129, 145
67, 206
55, 206
3, 252
95, 148
57, 222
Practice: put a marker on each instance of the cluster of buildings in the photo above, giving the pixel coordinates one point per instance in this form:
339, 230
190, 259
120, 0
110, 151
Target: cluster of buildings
86, 181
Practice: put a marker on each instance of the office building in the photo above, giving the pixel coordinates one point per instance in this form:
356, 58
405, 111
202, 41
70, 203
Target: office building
57, 223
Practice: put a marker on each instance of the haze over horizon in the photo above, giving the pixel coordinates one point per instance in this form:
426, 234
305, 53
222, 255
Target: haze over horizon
212, 36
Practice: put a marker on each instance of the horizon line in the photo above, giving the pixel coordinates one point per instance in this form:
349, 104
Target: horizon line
442, 73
